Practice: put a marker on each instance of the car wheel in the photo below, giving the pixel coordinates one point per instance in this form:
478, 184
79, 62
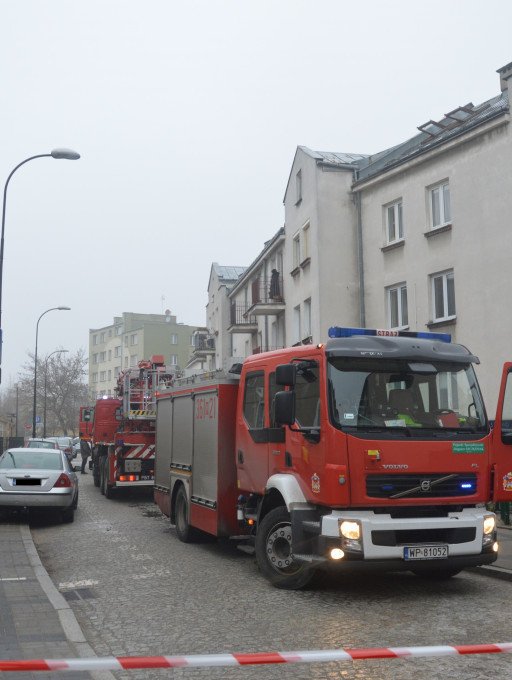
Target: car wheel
68, 515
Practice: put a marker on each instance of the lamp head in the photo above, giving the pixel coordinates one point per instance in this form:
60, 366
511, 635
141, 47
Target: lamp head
64, 308
68, 154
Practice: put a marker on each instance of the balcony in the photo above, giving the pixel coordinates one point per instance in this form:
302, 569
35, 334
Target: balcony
267, 296
240, 319
204, 345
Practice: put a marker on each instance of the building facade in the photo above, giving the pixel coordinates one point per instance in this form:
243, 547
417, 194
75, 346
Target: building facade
132, 338
416, 237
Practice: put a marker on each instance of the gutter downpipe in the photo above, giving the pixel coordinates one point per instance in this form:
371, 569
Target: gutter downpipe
360, 260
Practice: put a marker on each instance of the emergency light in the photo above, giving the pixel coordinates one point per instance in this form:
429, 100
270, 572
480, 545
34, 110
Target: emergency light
339, 332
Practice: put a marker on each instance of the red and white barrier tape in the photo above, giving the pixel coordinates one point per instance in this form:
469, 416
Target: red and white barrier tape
205, 660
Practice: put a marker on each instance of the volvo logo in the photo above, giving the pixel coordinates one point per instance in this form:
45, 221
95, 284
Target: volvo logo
425, 485
395, 467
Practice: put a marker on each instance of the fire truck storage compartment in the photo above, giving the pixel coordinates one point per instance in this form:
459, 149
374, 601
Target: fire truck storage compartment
195, 447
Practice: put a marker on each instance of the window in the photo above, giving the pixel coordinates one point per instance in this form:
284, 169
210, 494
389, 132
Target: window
133, 360
297, 337
440, 211
103, 356
103, 376
95, 377
119, 330
117, 351
305, 242
174, 359
394, 222
94, 339
109, 354
307, 396
254, 400
174, 339
110, 375
94, 358
133, 339
298, 186
307, 318
443, 296
103, 337
296, 250
397, 307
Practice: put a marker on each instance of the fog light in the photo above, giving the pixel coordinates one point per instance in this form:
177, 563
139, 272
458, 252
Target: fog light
496, 546
337, 554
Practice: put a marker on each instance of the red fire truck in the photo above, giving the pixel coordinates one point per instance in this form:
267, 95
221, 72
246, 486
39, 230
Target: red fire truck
372, 450
121, 429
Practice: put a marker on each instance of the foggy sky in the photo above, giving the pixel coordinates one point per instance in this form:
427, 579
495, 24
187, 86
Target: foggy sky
187, 116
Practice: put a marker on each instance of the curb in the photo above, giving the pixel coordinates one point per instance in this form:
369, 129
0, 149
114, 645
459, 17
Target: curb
67, 618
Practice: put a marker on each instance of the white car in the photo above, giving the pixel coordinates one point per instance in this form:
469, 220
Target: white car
38, 478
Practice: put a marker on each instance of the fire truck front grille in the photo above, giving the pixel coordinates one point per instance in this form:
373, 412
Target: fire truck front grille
421, 486
411, 537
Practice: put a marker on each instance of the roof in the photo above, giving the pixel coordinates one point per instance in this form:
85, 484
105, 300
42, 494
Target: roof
334, 157
228, 274
433, 134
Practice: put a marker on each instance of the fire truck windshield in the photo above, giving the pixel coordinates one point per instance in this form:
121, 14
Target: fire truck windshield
365, 394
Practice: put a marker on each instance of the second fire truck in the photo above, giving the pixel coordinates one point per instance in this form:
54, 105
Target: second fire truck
121, 429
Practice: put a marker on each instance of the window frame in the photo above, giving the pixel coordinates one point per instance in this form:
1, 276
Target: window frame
398, 222
445, 278
401, 292
443, 205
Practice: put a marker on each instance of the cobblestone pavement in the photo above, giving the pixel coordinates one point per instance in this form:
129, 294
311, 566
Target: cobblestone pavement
137, 590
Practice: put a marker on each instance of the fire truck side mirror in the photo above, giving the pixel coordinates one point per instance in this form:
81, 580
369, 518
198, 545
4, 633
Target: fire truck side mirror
286, 375
119, 415
285, 407
87, 415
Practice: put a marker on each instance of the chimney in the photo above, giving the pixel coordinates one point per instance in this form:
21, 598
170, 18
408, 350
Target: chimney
505, 73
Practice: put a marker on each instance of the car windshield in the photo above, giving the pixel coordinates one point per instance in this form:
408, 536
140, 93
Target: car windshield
27, 460
42, 445
365, 394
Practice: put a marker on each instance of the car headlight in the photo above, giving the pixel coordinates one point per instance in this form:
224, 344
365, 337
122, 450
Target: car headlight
350, 530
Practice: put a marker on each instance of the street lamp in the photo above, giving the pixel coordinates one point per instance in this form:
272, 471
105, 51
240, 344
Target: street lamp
57, 351
67, 154
35, 365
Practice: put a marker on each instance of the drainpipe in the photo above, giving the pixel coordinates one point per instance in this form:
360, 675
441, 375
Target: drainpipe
264, 297
362, 312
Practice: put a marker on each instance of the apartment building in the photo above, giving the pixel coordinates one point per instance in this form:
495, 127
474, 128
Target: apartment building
132, 338
416, 237
258, 303
213, 347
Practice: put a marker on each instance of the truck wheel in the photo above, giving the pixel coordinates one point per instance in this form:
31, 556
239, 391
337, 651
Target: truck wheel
185, 532
106, 489
101, 475
274, 552
96, 475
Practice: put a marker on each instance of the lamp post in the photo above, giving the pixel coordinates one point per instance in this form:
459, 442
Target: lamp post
35, 365
57, 351
67, 154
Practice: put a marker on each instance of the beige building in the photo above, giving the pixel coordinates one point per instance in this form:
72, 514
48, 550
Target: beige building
132, 338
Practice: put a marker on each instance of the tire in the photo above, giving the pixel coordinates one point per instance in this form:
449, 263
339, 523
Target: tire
185, 532
101, 475
106, 489
274, 552
436, 574
68, 515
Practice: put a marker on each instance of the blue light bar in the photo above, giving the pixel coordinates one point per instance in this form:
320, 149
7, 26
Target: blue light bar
339, 332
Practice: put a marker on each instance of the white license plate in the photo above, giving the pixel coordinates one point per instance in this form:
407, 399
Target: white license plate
426, 552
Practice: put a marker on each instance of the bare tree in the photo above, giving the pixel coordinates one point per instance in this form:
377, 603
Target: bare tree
60, 384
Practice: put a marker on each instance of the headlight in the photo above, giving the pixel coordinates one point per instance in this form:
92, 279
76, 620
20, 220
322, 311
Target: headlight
489, 524
350, 530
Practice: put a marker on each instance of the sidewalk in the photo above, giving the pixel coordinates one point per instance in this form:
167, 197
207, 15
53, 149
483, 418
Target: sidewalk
36, 622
